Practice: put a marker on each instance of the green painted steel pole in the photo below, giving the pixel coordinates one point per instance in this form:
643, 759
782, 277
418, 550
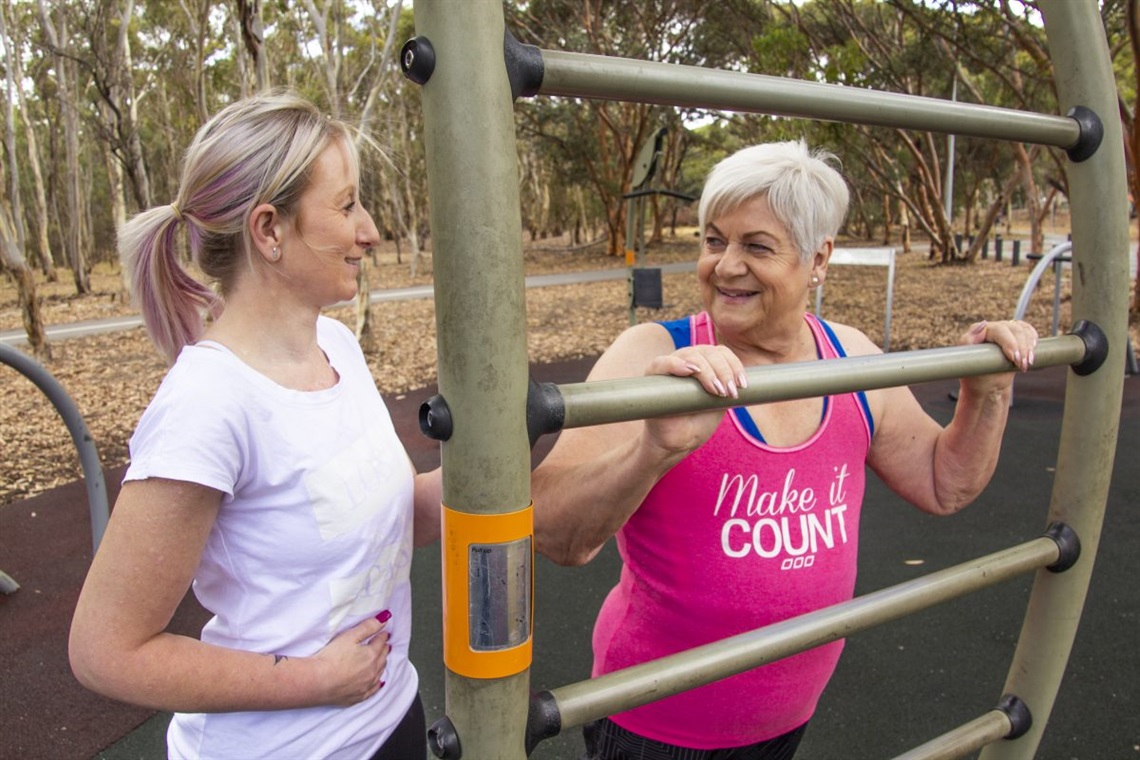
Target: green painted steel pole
481, 320
612, 78
1098, 195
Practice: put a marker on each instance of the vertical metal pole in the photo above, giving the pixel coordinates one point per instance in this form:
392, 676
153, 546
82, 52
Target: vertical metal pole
631, 255
948, 191
1057, 266
1083, 74
481, 319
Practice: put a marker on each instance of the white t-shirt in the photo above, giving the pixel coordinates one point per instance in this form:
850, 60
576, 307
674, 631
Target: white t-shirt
314, 535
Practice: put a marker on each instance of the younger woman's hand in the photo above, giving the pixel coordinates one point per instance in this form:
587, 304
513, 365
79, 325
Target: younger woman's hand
354, 663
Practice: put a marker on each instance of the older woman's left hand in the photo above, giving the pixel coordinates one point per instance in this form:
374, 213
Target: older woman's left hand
1017, 341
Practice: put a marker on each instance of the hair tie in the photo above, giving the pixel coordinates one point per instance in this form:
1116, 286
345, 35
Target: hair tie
177, 211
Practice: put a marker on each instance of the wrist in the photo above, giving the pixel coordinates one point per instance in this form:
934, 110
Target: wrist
298, 681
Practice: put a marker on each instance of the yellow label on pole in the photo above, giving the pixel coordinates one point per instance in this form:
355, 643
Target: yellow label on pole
488, 592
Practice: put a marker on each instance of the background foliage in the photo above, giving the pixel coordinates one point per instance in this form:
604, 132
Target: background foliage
104, 96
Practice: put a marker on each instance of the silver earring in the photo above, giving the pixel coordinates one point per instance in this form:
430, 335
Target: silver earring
814, 280
276, 254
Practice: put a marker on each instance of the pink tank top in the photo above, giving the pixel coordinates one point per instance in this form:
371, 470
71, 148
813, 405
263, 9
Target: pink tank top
737, 536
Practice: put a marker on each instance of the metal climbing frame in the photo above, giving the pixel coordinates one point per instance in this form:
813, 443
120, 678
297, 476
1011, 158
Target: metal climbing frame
487, 412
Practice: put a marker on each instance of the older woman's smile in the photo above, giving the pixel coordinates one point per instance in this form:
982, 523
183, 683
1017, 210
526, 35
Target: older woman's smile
736, 294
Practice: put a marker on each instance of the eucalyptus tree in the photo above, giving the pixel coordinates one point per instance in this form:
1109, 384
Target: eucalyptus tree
1123, 18
1001, 56
593, 143
56, 37
251, 31
12, 235
15, 42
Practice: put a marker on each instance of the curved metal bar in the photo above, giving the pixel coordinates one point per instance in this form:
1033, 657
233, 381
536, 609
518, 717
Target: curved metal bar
1035, 277
1098, 192
88, 453
612, 78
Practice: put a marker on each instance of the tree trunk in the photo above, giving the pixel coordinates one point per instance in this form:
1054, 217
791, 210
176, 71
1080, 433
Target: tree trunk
253, 35
1032, 202
364, 333
43, 243
1132, 141
68, 108
11, 84
198, 19
994, 209
364, 122
128, 102
25, 286
904, 220
118, 212
329, 53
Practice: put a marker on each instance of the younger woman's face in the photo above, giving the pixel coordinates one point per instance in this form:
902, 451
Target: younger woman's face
333, 231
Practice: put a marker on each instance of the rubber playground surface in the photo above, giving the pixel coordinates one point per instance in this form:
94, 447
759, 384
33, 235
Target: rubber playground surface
897, 686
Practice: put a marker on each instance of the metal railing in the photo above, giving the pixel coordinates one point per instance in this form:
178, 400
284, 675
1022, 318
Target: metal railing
80, 435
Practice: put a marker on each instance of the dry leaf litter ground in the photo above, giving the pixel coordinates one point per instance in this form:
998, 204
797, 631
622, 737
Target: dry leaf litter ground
112, 376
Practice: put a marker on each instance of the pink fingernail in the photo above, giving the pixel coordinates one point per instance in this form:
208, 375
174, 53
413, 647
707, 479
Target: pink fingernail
742, 380
719, 387
384, 616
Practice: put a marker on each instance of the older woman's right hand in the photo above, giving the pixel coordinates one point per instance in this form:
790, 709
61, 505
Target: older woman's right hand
719, 371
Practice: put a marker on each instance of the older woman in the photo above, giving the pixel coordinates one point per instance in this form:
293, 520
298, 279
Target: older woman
729, 521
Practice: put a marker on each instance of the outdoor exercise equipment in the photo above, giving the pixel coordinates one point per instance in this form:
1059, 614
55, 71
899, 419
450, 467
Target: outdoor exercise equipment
471, 71
1057, 257
80, 435
645, 287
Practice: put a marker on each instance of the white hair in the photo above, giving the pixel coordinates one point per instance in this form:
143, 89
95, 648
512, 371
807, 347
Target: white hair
805, 191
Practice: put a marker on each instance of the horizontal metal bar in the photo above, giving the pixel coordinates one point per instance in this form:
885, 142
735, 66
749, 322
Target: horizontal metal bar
581, 702
603, 401
611, 78
964, 740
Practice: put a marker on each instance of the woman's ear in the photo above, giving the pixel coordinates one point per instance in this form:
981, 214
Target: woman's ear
265, 231
819, 262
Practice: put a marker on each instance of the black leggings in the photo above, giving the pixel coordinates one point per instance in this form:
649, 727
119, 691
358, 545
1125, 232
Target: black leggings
409, 740
606, 740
